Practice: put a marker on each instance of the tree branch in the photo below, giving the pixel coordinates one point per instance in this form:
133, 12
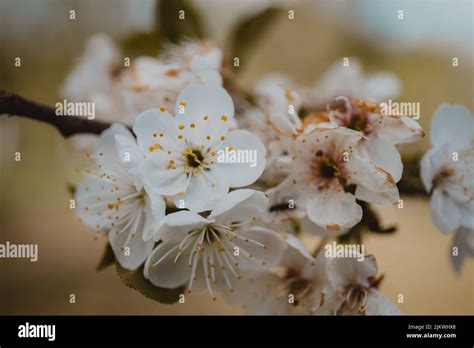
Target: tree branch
12, 104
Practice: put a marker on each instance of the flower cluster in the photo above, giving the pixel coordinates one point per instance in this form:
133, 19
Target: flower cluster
205, 195
121, 89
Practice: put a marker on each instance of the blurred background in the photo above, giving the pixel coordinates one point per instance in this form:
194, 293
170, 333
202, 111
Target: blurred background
34, 196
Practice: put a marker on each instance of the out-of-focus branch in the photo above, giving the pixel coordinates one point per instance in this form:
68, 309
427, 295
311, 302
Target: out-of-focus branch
12, 104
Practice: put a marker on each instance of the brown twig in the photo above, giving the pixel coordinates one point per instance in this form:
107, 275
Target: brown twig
12, 104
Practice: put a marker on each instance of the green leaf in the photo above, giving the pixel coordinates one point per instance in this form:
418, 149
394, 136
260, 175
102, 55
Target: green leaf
136, 280
245, 34
174, 29
107, 259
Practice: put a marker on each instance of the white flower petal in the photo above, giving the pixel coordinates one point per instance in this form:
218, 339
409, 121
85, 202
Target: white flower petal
252, 153
464, 242
93, 195
367, 195
384, 155
158, 127
378, 304
297, 257
445, 212
333, 209
203, 191
167, 273
258, 294
309, 227
262, 258
381, 86
131, 157
344, 272
159, 179
137, 252
239, 205
430, 166
106, 146
453, 125
175, 226
400, 130
157, 205
196, 101
366, 173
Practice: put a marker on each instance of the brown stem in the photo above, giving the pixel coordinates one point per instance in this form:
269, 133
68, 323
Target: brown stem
12, 104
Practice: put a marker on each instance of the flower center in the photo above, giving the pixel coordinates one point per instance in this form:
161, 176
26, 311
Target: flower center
355, 298
297, 286
325, 166
328, 169
357, 122
442, 175
193, 157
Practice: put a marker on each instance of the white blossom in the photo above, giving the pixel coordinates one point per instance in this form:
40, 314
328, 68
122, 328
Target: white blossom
328, 174
447, 171
380, 132
182, 152
293, 287
352, 289
214, 252
112, 201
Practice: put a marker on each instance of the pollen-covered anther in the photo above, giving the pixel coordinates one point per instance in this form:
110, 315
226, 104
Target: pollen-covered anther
154, 147
181, 126
162, 108
224, 118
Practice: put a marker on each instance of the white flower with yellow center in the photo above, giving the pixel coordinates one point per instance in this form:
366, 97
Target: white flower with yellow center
193, 156
327, 175
112, 200
447, 171
212, 252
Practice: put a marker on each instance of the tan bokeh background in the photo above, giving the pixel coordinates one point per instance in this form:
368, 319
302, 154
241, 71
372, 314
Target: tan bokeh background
34, 197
